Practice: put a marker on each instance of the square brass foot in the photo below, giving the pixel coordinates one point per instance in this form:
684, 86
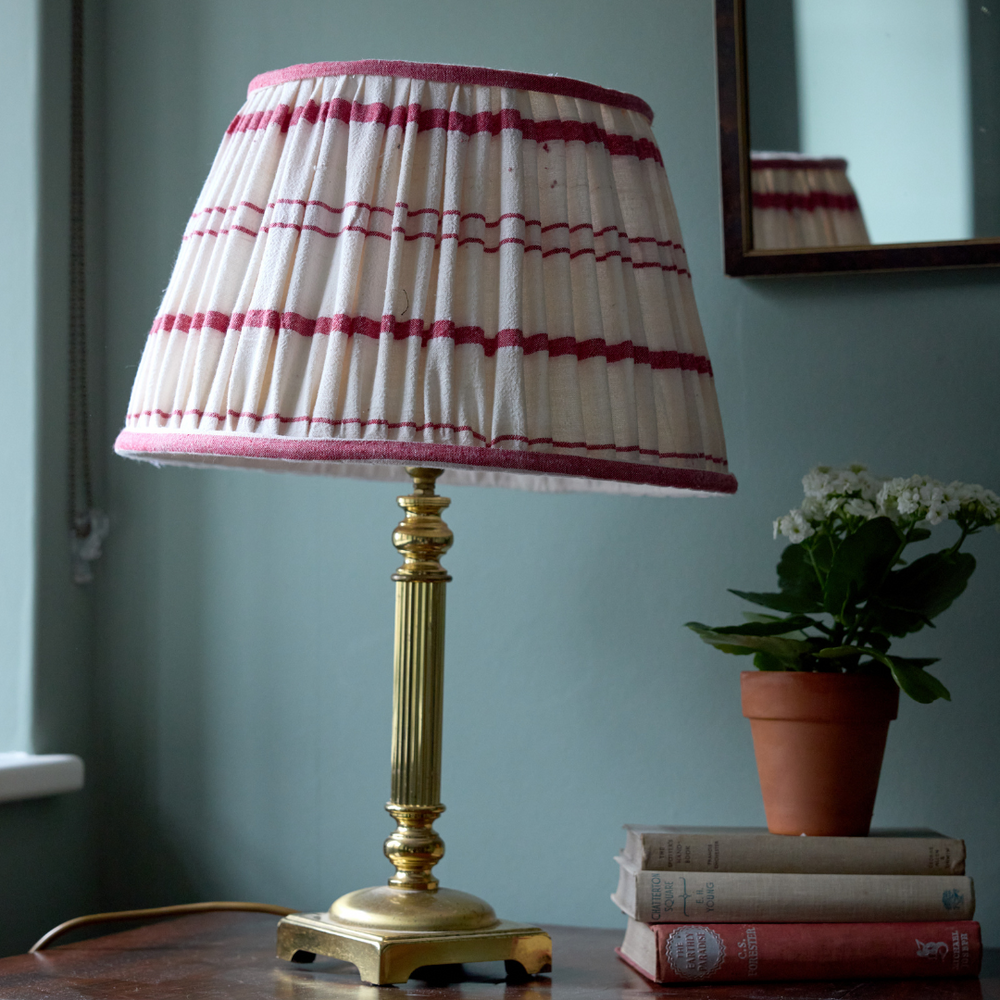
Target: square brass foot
384, 957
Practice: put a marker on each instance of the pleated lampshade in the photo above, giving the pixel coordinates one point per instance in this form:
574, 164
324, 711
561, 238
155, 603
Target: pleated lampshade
396, 264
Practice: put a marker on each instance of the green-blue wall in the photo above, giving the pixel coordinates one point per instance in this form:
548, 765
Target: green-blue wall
243, 621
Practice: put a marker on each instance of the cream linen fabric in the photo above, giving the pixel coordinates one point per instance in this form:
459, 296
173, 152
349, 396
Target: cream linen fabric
398, 271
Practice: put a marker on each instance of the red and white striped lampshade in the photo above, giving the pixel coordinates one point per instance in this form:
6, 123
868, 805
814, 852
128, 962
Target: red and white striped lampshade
398, 264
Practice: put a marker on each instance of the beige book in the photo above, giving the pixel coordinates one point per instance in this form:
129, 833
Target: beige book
753, 849
726, 897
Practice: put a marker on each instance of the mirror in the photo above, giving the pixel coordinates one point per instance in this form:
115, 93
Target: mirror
859, 134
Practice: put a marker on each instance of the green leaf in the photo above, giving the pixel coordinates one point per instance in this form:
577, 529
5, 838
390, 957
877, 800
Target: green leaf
918, 684
780, 626
910, 675
894, 621
724, 647
796, 576
697, 627
837, 652
874, 640
860, 563
765, 661
917, 661
796, 633
928, 585
918, 535
788, 602
784, 649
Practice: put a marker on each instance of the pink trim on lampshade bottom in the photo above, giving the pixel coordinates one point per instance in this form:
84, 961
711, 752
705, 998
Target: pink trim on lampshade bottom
177, 444
426, 119
444, 73
259, 418
260, 319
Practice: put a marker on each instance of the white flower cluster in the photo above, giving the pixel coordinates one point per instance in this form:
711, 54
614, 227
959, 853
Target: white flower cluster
922, 499
854, 493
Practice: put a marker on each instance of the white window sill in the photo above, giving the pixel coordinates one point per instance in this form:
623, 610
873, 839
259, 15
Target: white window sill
31, 776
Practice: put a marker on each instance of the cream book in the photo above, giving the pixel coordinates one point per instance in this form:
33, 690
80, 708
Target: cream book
753, 849
723, 897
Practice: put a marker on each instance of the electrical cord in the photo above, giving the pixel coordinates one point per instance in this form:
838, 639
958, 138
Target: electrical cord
154, 913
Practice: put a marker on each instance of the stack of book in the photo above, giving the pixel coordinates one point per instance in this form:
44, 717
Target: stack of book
740, 905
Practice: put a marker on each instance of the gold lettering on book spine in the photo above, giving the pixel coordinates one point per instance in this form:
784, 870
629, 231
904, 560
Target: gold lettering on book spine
418, 678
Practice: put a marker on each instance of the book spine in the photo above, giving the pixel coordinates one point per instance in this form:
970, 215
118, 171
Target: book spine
747, 952
700, 852
724, 897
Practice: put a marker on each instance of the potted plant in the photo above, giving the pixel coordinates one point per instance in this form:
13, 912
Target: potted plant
827, 684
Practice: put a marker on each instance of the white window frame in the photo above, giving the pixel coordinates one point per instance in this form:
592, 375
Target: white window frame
22, 774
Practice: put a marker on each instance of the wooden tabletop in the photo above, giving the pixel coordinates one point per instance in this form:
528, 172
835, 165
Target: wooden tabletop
231, 955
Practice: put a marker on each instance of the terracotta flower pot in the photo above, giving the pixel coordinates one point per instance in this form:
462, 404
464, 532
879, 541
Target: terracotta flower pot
819, 740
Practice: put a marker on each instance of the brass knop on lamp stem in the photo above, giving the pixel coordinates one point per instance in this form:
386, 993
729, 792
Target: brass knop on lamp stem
422, 537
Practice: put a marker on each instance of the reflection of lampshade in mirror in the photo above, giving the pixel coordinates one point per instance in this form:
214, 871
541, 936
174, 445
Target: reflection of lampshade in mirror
803, 201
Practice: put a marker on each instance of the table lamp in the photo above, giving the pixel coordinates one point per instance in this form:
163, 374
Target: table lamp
398, 268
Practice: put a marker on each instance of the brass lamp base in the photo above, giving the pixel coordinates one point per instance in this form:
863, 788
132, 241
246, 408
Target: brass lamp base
390, 956
390, 930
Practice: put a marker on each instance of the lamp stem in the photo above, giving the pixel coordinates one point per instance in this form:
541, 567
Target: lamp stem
418, 679
390, 930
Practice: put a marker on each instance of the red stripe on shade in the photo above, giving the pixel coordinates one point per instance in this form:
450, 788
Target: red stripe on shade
583, 350
424, 211
514, 240
219, 232
175, 444
426, 119
789, 201
443, 73
231, 208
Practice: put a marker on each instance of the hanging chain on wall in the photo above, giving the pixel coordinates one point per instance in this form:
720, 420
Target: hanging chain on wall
87, 526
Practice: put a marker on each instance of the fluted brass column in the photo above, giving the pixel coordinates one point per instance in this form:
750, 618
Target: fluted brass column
389, 930
418, 678
412, 900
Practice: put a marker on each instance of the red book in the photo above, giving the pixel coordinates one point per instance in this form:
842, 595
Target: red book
741, 953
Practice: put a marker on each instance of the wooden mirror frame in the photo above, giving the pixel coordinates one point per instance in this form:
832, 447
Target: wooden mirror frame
734, 142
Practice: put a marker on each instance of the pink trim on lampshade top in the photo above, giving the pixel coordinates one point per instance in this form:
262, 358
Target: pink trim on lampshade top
444, 73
